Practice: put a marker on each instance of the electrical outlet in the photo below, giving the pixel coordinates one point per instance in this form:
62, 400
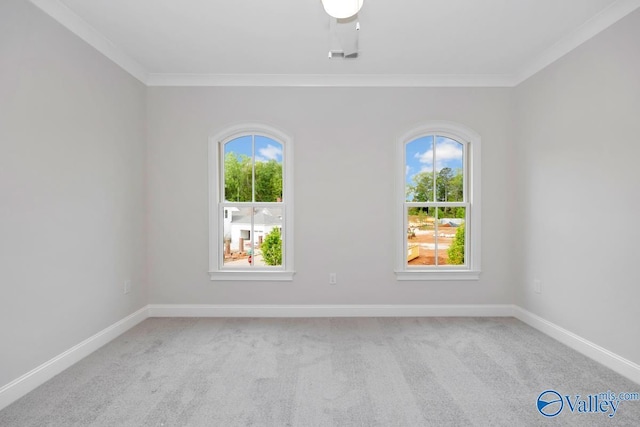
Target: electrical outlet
127, 286
537, 286
332, 279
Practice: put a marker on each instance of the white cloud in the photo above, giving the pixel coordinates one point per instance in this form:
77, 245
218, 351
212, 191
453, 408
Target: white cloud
270, 152
426, 157
447, 152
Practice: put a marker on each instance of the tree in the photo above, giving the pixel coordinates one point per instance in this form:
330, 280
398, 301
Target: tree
456, 250
442, 184
237, 178
239, 175
422, 190
272, 247
449, 186
268, 181
456, 187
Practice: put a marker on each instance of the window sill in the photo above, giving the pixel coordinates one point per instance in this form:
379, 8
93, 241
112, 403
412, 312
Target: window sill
237, 275
442, 275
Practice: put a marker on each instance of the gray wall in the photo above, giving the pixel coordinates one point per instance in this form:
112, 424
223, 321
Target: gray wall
72, 185
578, 147
344, 195
76, 132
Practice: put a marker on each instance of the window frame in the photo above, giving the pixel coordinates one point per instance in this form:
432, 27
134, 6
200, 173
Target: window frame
472, 145
217, 271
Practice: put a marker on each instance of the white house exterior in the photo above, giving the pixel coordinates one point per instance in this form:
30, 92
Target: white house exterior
237, 225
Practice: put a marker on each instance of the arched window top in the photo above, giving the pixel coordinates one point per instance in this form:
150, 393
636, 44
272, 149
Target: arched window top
244, 129
251, 198
253, 163
435, 169
448, 129
253, 169
439, 194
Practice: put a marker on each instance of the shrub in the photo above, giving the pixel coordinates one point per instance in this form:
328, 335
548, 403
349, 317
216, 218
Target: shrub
272, 248
456, 250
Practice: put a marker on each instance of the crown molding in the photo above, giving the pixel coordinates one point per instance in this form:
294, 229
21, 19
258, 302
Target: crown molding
331, 80
589, 29
86, 32
93, 37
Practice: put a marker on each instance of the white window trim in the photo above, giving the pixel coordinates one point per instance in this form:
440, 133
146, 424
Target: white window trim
472, 253
216, 272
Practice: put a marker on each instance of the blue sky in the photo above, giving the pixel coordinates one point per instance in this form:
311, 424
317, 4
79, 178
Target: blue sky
419, 155
266, 148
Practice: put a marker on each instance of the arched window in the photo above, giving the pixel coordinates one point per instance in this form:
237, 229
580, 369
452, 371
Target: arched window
438, 190
251, 224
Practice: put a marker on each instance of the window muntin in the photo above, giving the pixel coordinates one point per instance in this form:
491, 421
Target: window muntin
435, 186
251, 210
439, 196
251, 202
253, 169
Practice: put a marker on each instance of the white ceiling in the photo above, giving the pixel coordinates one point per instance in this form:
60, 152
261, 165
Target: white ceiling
285, 42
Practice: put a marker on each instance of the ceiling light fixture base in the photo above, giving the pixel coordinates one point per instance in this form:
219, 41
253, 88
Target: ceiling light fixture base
342, 9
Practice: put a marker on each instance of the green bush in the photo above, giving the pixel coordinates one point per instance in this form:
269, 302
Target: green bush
456, 250
272, 248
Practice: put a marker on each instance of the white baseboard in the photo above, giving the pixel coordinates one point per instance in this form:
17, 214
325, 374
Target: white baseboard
593, 351
338, 310
29, 381
17, 388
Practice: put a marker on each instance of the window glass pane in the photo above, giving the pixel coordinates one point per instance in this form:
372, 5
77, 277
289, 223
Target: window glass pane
268, 170
237, 235
449, 170
238, 169
421, 236
268, 236
451, 236
435, 240
419, 169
